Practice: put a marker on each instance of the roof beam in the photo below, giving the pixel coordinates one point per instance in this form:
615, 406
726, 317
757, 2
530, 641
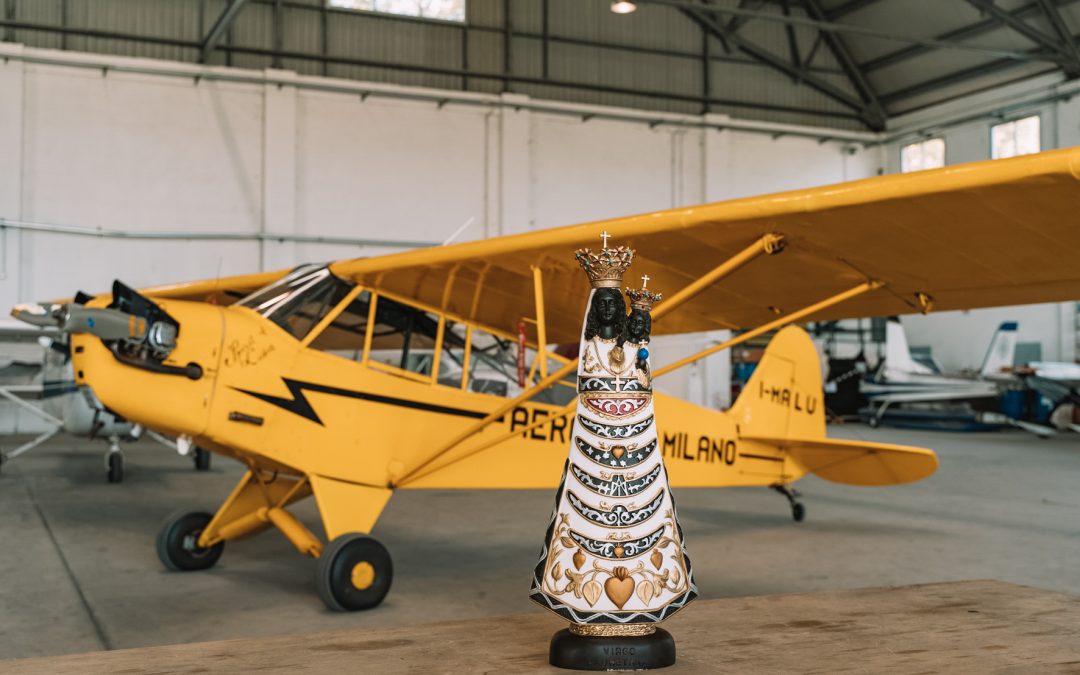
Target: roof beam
714, 25
775, 17
874, 113
1021, 27
849, 7
948, 79
1057, 21
793, 42
218, 30
737, 22
961, 33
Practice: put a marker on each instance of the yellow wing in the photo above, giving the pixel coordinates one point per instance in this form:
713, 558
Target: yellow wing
982, 234
221, 291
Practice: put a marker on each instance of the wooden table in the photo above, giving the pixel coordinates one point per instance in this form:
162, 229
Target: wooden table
964, 627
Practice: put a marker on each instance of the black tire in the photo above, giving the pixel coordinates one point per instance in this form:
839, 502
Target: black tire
798, 512
873, 421
354, 573
115, 472
202, 459
176, 543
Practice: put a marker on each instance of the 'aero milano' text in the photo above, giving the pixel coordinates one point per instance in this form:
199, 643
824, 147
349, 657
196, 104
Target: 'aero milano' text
677, 445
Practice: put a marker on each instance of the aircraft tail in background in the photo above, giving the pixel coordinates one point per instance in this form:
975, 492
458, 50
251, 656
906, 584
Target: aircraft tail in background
898, 357
1002, 351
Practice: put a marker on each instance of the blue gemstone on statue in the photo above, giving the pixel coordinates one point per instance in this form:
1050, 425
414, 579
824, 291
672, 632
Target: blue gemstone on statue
642, 353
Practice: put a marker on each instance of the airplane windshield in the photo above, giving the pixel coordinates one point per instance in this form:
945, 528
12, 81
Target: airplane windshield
299, 300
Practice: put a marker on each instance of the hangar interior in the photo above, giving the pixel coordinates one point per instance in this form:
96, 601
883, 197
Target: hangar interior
158, 142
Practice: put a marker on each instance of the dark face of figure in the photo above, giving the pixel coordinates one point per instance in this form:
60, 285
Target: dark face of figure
607, 314
608, 310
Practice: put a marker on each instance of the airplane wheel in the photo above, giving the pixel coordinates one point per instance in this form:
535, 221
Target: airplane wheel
176, 545
202, 459
115, 464
873, 421
354, 572
798, 512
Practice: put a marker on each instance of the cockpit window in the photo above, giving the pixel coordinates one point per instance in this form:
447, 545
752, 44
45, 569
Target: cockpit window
299, 300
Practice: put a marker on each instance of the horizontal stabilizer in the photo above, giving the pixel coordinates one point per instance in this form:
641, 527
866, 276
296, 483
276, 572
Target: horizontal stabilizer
859, 462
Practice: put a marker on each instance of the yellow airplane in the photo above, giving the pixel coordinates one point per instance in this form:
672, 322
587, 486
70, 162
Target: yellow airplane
350, 380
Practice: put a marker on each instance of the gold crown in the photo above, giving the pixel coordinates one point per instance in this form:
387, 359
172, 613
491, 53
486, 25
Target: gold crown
643, 299
606, 268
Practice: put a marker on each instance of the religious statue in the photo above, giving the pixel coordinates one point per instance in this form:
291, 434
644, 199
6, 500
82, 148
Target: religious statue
613, 563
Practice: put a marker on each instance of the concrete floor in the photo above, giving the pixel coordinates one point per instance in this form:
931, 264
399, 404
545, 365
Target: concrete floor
79, 572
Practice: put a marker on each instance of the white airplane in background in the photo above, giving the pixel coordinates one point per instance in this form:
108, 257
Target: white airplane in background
1058, 382
69, 408
927, 392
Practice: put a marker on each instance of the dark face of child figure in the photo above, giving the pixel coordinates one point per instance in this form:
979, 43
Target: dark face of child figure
637, 326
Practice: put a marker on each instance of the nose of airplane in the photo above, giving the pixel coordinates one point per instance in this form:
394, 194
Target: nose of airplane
138, 330
151, 361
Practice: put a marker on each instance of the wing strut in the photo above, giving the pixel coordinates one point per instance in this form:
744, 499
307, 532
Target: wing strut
764, 328
416, 474
769, 243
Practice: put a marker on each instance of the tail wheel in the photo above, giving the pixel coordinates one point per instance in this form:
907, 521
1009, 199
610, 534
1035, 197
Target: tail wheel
354, 573
202, 459
798, 512
115, 467
177, 543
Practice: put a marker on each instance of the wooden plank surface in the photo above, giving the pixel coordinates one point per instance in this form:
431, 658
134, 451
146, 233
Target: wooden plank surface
962, 627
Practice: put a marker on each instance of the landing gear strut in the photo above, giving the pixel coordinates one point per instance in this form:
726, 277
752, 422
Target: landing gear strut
798, 511
114, 461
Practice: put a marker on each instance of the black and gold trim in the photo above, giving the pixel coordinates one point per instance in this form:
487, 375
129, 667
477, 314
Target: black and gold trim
615, 431
618, 550
616, 456
618, 486
611, 385
619, 515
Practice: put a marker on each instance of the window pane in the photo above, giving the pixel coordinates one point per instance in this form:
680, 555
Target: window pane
1011, 139
344, 336
299, 300
493, 365
403, 336
452, 361
446, 10
928, 154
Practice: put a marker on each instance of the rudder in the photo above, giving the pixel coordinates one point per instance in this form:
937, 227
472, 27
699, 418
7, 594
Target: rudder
784, 397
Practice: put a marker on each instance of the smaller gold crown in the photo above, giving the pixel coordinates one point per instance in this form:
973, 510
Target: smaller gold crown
643, 299
606, 268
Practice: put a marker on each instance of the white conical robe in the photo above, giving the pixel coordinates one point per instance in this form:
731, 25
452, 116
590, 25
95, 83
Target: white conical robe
614, 551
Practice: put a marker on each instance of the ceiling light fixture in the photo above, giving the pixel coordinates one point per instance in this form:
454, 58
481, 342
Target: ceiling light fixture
623, 7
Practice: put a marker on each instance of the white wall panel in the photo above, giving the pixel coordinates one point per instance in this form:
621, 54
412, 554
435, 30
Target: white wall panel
588, 170
393, 170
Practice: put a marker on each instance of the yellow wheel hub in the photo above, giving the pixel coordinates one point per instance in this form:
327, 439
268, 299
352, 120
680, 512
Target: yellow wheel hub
363, 575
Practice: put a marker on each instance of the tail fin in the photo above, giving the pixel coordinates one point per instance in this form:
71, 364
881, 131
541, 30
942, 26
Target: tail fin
783, 406
784, 397
1002, 351
898, 357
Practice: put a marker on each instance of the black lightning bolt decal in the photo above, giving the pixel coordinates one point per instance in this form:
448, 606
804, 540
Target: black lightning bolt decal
298, 404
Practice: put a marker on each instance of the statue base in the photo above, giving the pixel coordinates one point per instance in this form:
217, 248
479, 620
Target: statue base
606, 647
